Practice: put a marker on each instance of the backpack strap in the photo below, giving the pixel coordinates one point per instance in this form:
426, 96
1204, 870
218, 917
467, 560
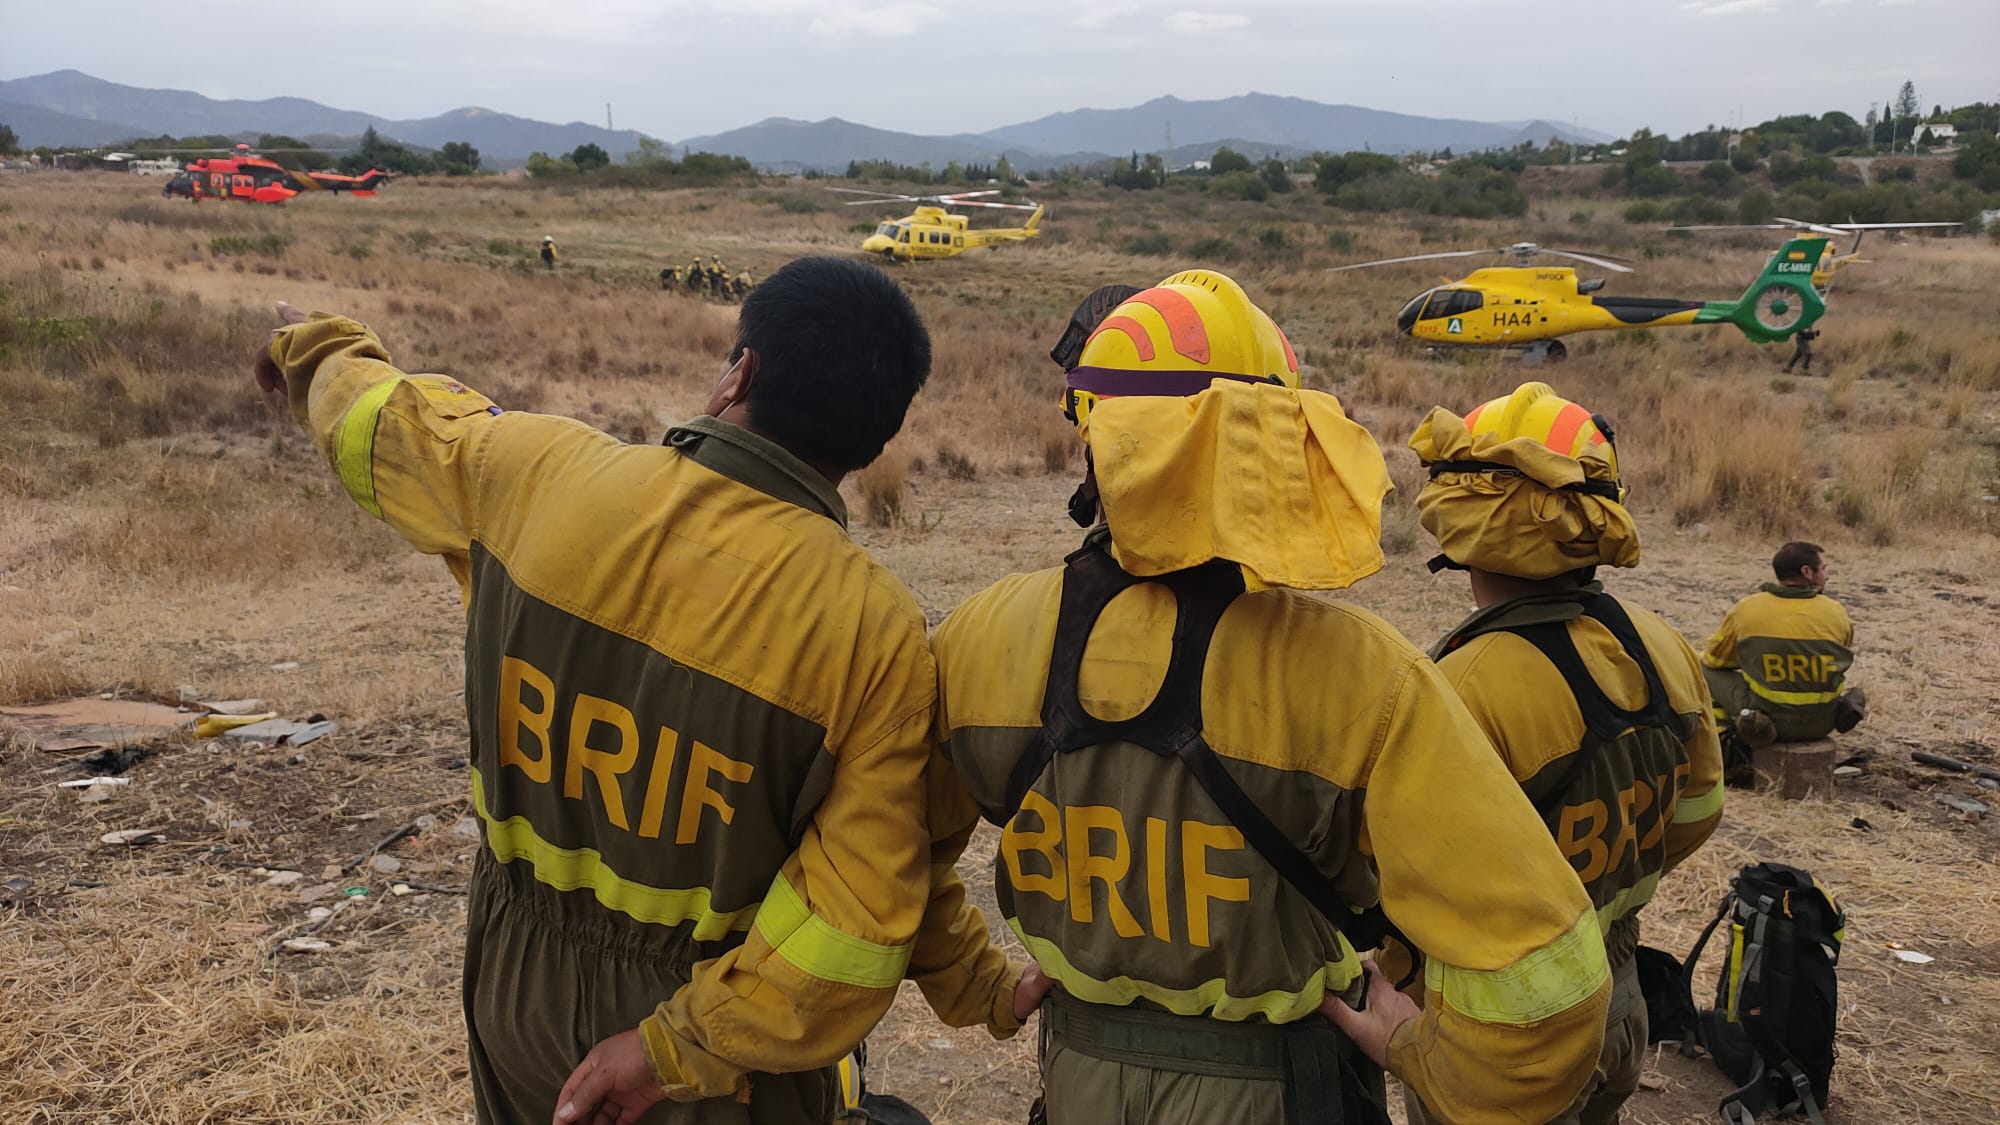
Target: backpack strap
1169, 726
1603, 720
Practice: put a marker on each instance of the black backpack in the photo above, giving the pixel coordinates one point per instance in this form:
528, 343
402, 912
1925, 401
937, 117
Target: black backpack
1772, 1027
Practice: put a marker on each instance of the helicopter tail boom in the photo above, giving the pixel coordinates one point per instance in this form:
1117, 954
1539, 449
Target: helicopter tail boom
1781, 301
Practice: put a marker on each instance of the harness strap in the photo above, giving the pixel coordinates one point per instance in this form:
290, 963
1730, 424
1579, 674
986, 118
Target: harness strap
1608, 489
1169, 726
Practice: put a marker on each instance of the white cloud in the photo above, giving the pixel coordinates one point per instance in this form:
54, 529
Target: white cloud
883, 21
1201, 23
1102, 15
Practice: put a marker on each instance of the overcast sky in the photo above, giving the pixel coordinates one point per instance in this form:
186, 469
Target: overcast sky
680, 68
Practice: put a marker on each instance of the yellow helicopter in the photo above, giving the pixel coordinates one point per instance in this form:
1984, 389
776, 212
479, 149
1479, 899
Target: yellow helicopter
932, 231
1531, 306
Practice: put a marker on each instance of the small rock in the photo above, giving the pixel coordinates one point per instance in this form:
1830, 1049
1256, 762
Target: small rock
285, 666
18, 885
317, 891
239, 826
285, 878
1912, 957
305, 945
1987, 783
386, 864
188, 694
1650, 1081
330, 871
1963, 804
467, 828
1846, 771
131, 836
93, 796
939, 1044
426, 822
318, 914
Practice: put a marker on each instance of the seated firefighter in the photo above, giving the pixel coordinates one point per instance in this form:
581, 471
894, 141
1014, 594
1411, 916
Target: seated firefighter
1777, 666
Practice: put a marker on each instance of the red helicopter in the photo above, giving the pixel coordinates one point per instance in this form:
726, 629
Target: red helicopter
256, 179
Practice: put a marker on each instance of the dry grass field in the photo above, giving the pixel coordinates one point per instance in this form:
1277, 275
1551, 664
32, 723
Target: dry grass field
162, 524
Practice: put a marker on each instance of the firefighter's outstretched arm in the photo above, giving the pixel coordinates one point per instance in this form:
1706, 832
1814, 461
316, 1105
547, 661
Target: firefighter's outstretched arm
404, 446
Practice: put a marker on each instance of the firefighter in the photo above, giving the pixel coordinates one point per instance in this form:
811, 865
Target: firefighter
1597, 707
1215, 777
741, 284
1802, 348
1778, 664
714, 839
670, 278
718, 277
696, 275
548, 252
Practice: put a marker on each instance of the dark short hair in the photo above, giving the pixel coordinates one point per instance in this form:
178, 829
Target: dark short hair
841, 351
1795, 557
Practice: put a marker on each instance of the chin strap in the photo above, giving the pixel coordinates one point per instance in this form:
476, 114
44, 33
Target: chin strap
1083, 502
1443, 562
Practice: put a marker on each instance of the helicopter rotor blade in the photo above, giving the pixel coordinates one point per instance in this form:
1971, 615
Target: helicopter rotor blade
1735, 226
1001, 206
1414, 258
955, 197
1600, 262
875, 196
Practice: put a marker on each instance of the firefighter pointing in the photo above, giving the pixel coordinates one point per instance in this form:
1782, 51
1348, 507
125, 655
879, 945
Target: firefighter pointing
714, 836
1216, 783
1597, 707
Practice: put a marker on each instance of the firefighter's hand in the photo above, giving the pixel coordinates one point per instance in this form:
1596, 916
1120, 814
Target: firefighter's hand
1028, 994
1386, 1012
613, 1085
269, 378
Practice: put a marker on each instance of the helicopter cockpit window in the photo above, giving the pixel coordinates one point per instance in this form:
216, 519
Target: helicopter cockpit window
886, 230
902, 234
1452, 302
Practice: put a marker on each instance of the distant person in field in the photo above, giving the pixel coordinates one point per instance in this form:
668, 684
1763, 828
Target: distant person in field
715, 836
548, 251
1778, 665
1802, 348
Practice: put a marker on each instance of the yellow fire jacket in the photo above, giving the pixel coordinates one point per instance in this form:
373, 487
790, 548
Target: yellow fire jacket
1130, 887
1793, 646
691, 695
1641, 803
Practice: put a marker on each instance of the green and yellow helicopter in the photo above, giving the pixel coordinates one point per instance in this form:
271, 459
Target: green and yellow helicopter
1531, 307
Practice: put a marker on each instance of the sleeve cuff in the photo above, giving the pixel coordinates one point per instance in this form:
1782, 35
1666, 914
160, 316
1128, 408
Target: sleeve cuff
1003, 1025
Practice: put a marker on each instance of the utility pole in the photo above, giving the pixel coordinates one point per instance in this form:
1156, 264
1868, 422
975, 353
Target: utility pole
607, 118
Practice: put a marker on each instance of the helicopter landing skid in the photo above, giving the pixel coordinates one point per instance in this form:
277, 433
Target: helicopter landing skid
1544, 351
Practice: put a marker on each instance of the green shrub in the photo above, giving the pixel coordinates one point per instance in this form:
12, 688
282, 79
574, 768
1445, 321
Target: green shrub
1643, 211
1152, 242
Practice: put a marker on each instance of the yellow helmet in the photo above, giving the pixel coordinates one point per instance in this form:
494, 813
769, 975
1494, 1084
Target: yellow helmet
1176, 338
1525, 485
1535, 411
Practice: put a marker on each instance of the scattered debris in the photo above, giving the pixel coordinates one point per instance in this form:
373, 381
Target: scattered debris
188, 694
318, 914
317, 891
285, 666
1965, 805
385, 864
356, 892
94, 783
285, 878
92, 723
17, 886
305, 945
1861, 759
282, 732
1862, 824
1986, 783
107, 761
398, 889
1912, 957
1956, 765
1846, 771
234, 706
467, 828
384, 842
1651, 1081
245, 929
209, 726
130, 836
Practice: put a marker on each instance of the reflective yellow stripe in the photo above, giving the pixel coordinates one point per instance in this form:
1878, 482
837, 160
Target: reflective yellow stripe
1207, 998
1627, 900
354, 445
1716, 662
1693, 810
1545, 983
1792, 698
570, 869
816, 947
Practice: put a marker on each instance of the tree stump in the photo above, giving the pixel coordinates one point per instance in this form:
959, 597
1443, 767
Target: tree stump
1794, 770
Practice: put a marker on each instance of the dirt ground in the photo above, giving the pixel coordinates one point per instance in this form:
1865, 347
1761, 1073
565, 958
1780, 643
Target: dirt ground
148, 983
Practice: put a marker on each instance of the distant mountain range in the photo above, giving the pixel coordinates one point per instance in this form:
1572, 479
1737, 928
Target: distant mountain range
68, 107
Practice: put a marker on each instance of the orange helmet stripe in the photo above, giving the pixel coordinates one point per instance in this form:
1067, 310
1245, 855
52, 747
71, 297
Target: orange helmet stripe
1472, 419
1142, 341
1291, 358
1569, 422
1184, 326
